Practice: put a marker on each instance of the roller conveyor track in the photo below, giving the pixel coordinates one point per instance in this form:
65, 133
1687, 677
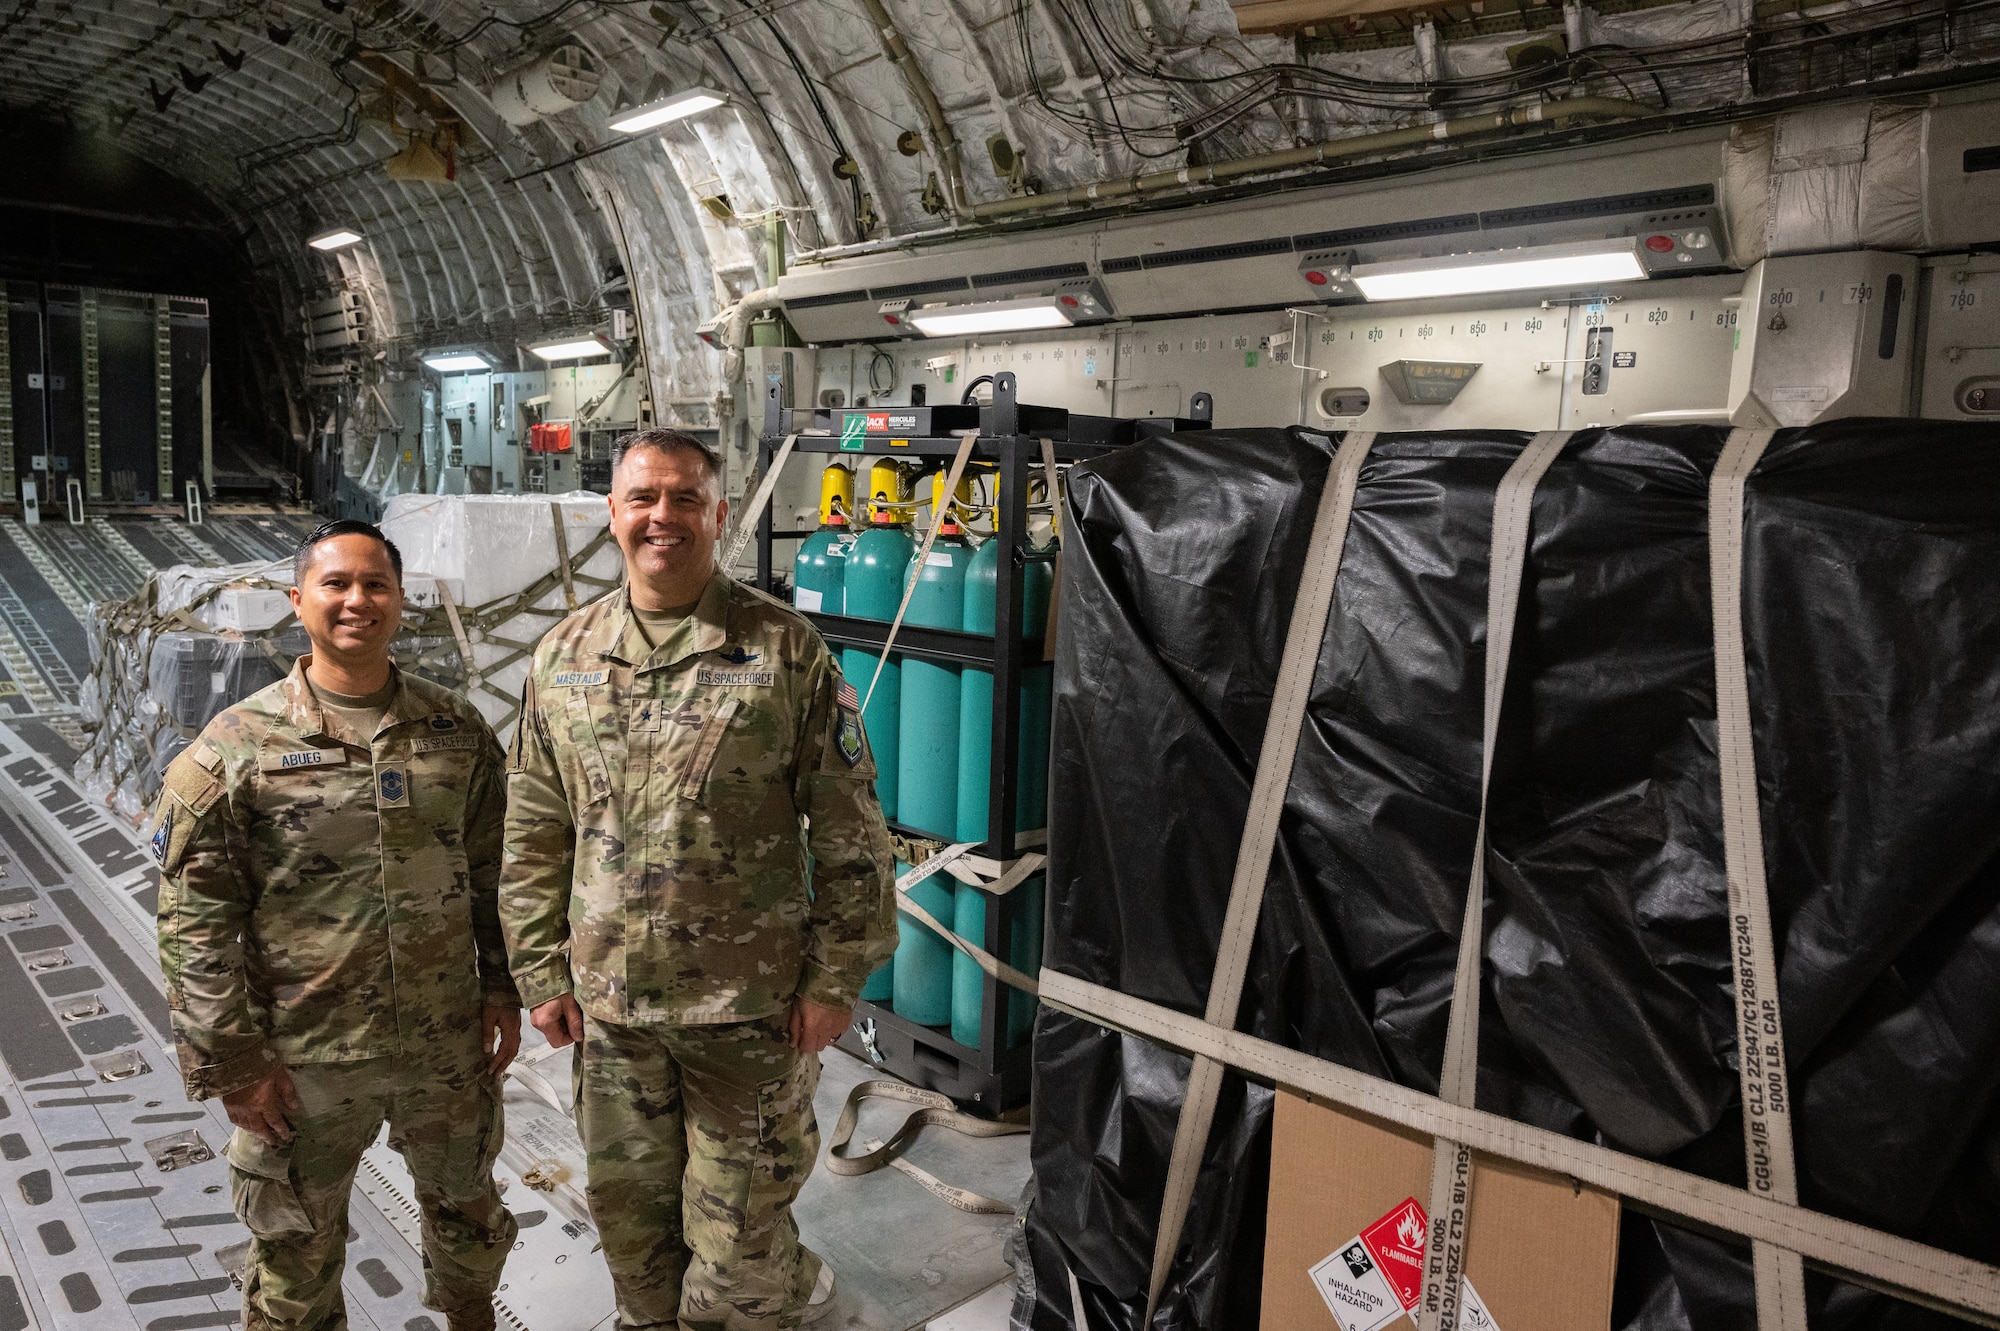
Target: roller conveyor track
96, 1236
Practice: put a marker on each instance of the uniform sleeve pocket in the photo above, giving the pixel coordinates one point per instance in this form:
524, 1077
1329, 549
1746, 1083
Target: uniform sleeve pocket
191, 793
260, 1185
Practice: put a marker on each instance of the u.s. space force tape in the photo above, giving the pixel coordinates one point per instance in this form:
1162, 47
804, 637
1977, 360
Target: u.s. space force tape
966, 439
753, 512
1760, 1036
1451, 1162
1909, 1270
1310, 608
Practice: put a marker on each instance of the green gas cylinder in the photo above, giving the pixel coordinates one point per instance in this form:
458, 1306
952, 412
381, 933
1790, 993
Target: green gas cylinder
819, 572
1022, 951
927, 752
873, 587
975, 708
920, 984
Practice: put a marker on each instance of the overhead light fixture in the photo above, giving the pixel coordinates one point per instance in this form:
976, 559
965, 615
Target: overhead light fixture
573, 348
681, 105
1577, 263
1064, 308
457, 362
337, 239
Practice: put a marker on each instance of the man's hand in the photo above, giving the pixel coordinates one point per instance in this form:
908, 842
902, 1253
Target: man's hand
264, 1109
813, 1027
560, 1019
503, 1024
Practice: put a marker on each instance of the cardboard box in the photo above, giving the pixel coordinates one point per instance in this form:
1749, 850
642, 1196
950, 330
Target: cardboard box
248, 609
1540, 1252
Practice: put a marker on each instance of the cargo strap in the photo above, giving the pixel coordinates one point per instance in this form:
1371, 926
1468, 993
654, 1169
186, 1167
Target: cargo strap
1260, 833
937, 1111
1451, 1161
753, 513
948, 859
1913, 1271
1760, 1036
450, 605
562, 554
966, 439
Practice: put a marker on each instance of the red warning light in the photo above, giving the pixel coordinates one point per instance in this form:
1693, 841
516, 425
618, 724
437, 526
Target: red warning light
1070, 301
1316, 277
892, 321
1660, 244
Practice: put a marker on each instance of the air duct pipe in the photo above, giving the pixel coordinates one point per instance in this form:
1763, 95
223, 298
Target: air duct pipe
1357, 145
926, 97
738, 327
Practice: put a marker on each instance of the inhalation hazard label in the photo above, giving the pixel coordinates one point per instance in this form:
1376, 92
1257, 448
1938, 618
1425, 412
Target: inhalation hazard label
1376, 1277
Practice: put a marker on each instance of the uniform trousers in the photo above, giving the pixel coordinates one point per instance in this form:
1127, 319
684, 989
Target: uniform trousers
443, 1113
698, 1139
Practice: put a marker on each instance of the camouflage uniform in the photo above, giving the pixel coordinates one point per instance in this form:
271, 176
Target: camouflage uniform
656, 867
332, 908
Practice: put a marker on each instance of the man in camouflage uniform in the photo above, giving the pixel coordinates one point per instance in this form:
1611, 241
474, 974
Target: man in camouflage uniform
329, 851
675, 737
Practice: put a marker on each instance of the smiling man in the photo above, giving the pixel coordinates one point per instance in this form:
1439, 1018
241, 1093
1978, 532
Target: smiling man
686, 743
329, 850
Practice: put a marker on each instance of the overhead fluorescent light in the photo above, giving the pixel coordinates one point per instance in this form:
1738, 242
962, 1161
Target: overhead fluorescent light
1061, 310
338, 238
574, 348
677, 107
456, 362
1575, 264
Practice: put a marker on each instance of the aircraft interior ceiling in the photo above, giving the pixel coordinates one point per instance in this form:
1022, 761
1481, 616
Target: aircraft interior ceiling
472, 145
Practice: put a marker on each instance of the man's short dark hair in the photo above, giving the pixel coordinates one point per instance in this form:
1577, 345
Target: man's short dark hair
302, 558
668, 441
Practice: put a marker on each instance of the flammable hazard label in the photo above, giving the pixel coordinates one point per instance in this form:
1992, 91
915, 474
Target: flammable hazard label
1396, 1242
1373, 1279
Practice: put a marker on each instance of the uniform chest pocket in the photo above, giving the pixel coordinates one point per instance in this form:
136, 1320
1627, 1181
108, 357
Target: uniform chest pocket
594, 725
741, 743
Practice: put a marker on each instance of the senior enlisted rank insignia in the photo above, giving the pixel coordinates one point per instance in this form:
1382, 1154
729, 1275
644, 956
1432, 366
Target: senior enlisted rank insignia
849, 703
392, 789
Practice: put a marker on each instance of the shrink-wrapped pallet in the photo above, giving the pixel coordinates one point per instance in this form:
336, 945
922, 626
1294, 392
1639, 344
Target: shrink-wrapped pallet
1872, 634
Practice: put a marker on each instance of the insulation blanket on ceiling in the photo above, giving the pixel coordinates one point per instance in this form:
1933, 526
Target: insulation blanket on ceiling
1873, 636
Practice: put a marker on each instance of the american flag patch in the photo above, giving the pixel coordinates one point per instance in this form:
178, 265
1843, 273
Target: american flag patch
847, 697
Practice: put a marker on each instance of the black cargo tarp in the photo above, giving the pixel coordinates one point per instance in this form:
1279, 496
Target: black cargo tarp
1872, 623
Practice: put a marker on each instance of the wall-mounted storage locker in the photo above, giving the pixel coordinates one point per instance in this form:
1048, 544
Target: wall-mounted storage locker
106, 388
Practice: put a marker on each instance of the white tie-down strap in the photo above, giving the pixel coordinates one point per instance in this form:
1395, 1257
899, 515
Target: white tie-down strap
1260, 834
952, 860
966, 439
1914, 1271
1760, 1036
746, 521
1451, 1164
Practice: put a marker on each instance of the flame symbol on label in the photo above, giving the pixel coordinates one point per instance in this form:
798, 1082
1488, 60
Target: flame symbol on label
1410, 1232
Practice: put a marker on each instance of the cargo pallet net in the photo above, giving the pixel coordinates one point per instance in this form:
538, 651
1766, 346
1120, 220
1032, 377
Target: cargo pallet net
165, 660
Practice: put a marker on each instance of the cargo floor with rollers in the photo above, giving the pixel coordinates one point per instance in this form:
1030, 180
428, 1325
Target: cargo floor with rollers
96, 1236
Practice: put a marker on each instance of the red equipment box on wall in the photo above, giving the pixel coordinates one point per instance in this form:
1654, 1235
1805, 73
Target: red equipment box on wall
549, 438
